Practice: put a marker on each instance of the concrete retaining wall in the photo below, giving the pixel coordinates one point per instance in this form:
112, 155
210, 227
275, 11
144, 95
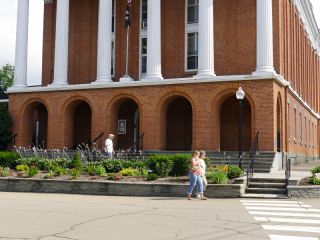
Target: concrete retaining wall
115, 188
303, 191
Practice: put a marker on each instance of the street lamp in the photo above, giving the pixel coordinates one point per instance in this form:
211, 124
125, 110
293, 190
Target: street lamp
240, 96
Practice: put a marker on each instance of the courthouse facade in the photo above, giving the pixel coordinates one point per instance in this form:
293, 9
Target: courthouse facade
186, 60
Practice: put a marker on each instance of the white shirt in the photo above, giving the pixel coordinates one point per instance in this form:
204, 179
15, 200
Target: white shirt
202, 166
109, 145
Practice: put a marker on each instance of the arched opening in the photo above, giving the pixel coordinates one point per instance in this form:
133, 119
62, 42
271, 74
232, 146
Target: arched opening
279, 121
78, 124
128, 123
35, 125
229, 125
179, 125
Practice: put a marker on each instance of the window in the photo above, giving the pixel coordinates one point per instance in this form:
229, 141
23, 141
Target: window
305, 130
289, 126
144, 51
193, 11
113, 37
144, 14
192, 51
112, 58
295, 124
113, 15
309, 140
312, 135
300, 116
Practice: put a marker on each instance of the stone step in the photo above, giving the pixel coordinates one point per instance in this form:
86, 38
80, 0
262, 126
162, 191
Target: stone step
268, 180
267, 185
265, 196
267, 190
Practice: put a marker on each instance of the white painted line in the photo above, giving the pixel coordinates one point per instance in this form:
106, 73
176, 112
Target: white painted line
291, 228
268, 201
288, 214
284, 209
277, 205
287, 220
282, 237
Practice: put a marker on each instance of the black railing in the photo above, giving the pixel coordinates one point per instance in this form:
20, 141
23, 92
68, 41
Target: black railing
253, 150
97, 138
288, 171
138, 144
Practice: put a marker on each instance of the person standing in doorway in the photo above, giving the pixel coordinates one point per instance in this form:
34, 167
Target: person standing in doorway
109, 146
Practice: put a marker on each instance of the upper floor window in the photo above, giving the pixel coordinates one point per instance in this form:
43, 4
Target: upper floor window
144, 55
144, 14
192, 51
193, 11
295, 124
113, 15
300, 116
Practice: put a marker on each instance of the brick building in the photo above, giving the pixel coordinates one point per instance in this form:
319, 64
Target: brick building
186, 60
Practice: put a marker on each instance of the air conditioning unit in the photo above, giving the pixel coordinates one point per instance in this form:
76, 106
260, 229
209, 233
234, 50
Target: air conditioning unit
144, 25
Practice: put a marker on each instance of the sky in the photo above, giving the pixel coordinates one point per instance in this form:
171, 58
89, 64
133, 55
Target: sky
8, 15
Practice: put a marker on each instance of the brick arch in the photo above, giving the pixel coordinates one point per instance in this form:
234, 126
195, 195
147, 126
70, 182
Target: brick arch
34, 123
77, 114
162, 119
124, 106
220, 98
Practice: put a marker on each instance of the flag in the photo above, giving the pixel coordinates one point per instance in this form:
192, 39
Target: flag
127, 20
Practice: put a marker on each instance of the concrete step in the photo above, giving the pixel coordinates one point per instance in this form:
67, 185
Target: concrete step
265, 196
266, 185
267, 190
268, 180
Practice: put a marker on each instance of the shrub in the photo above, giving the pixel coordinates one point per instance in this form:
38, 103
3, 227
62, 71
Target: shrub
181, 164
217, 178
4, 172
314, 181
152, 177
22, 168
315, 170
234, 172
129, 172
74, 173
49, 175
160, 164
33, 170
57, 171
8, 159
95, 170
76, 162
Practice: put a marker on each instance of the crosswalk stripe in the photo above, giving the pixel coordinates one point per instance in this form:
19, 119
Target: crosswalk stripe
283, 209
267, 201
305, 215
292, 228
283, 237
276, 205
287, 220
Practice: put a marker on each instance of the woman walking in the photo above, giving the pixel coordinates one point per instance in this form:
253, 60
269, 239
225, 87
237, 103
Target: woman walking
195, 176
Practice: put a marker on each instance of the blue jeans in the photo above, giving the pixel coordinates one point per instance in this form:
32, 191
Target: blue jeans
195, 180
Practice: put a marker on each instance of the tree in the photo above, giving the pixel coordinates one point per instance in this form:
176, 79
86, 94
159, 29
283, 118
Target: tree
6, 76
6, 81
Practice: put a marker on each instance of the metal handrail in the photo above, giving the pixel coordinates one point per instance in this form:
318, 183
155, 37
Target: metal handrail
97, 138
288, 171
253, 150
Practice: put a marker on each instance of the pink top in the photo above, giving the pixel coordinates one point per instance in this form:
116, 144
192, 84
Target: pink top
195, 166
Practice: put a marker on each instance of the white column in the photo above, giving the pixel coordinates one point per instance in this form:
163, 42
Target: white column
264, 39
20, 71
61, 45
154, 40
104, 42
206, 40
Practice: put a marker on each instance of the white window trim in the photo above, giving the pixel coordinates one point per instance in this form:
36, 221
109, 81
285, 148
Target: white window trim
142, 34
189, 28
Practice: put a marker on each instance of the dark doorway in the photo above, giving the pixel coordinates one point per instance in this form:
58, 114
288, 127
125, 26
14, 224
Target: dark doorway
81, 124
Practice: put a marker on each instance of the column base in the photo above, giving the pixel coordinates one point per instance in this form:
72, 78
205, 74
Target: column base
19, 86
153, 77
264, 71
204, 74
58, 84
101, 81
126, 78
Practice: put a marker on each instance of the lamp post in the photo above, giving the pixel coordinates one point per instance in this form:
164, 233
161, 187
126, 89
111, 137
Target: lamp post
240, 96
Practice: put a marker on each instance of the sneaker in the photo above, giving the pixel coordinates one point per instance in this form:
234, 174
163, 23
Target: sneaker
198, 196
204, 198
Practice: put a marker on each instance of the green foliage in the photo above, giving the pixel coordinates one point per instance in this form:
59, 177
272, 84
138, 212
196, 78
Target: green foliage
217, 177
74, 173
4, 172
43, 163
8, 159
314, 181
49, 175
76, 162
93, 170
33, 170
130, 172
181, 164
57, 170
6, 76
22, 168
161, 165
152, 177
234, 172
5, 126
315, 170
